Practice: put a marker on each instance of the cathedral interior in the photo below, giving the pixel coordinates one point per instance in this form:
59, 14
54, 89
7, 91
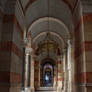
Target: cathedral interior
45, 46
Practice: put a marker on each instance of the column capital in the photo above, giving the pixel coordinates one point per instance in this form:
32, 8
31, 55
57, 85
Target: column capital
69, 42
24, 42
29, 50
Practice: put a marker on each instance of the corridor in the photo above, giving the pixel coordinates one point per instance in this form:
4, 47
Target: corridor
45, 45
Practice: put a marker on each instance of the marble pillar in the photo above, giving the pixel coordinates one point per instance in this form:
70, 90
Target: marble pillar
55, 77
32, 70
64, 71
27, 70
23, 71
69, 65
59, 74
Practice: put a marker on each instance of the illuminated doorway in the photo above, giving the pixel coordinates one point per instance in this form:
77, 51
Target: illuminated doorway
48, 75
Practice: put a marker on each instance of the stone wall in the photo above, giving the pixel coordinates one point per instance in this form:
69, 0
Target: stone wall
11, 40
79, 51
88, 49
83, 47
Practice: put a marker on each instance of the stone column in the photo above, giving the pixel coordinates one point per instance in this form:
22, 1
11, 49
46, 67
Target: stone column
69, 65
55, 77
59, 74
27, 70
25, 40
39, 75
32, 70
23, 70
64, 71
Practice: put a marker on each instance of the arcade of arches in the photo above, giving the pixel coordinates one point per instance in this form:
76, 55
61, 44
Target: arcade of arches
45, 45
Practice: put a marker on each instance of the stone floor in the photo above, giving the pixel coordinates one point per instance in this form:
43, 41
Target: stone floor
46, 89
42, 89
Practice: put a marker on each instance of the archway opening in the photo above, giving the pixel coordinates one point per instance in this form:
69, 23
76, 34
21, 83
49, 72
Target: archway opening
48, 71
48, 74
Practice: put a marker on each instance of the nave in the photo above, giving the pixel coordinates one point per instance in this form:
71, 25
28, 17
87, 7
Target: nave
45, 45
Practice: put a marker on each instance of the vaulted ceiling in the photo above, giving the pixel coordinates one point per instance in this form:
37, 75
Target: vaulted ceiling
56, 12
54, 16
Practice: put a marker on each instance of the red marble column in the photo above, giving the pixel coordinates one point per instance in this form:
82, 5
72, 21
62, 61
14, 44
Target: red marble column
32, 70
55, 77
59, 74
36, 75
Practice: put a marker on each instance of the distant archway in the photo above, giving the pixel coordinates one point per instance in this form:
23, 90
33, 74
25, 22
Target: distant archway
48, 74
47, 71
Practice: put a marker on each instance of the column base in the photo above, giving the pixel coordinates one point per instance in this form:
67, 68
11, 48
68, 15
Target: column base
68, 90
15, 88
59, 89
64, 90
23, 91
32, 89
80, 88
28, 89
